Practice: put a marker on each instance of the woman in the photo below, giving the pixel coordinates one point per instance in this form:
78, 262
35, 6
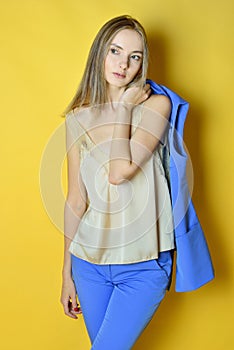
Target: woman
118, 218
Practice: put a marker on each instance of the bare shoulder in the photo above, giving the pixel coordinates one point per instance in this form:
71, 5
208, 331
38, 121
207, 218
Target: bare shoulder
81, 114
159, 103
78, 111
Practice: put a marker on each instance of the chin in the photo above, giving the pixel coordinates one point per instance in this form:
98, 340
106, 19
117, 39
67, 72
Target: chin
117, 84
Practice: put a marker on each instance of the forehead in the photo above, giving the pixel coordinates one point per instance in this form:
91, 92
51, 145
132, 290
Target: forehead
128, 39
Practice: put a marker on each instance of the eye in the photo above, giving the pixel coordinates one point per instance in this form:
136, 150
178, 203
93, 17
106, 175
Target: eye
114, 51
136, 57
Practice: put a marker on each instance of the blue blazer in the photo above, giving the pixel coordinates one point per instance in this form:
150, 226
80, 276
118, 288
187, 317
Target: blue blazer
193, 262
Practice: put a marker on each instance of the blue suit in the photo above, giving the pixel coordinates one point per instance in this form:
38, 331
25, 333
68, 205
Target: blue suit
193, 262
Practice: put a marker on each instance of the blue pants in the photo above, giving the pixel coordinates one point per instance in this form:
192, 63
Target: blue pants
119, 300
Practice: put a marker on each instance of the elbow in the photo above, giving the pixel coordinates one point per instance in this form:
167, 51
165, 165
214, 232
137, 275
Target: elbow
116, 179
119, 177
76, 205
122, 174
116, 173
113, 180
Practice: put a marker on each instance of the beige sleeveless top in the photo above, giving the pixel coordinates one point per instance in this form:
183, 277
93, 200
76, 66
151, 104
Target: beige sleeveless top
125, 223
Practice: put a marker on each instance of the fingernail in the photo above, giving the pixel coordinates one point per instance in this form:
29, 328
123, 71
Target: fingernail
76, 308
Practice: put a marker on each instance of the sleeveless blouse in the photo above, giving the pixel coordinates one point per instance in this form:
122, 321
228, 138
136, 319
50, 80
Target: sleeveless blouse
125, 223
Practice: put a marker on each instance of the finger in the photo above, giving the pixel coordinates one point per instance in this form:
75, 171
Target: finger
145, 96
149, 91
73, 300
67, 307
147, 88
75, 308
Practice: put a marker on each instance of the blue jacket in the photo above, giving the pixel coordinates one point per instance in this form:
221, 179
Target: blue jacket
193, 262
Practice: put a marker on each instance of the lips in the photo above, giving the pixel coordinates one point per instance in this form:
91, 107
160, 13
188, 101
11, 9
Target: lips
119, 75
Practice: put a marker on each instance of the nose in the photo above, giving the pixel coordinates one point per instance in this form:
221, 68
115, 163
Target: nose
124, 63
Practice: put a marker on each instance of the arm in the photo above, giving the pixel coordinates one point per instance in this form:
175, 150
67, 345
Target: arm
128, 154
74, 209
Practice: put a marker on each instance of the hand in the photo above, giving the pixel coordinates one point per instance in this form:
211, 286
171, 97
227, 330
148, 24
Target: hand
136, 95
68, 299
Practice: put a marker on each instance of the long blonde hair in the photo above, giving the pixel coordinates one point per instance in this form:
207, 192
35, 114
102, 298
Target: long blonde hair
92, 89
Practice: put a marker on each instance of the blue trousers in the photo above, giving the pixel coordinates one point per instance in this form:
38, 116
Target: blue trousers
119, 300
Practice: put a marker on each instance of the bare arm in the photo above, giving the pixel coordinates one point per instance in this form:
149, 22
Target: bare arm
128, 154
74, 209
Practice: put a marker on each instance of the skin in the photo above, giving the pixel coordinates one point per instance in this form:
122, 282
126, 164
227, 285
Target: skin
125, 59
122, 64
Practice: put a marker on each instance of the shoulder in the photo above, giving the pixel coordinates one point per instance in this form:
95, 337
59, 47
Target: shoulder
78, 111
159, 103
75, 115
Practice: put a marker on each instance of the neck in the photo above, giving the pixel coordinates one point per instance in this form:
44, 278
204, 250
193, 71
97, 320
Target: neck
114, 93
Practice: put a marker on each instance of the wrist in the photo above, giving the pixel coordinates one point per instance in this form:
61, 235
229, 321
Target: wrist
67, 276
123, 112
66, 272
128, 106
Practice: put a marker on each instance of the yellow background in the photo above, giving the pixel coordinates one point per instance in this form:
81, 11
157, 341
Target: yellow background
44, 46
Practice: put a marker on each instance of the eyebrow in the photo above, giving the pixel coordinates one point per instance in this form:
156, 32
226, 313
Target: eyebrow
119, 47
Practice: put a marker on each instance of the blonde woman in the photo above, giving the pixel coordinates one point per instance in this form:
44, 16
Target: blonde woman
118, 219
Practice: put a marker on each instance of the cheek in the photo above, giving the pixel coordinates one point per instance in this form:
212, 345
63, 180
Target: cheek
136, 69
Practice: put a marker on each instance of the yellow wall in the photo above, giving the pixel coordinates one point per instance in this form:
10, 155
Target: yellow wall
44, 45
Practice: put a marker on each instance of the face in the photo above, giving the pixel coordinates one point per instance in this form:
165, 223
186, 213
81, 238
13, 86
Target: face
124, 58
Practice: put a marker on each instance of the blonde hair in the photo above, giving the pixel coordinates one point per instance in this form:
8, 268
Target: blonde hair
92, 89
